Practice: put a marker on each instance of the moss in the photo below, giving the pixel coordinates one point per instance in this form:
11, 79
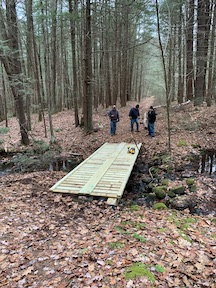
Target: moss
139, 237
40, 147
159, 268
178, 190
193, 188
162, 229
190, 181
185, 236
150, 187
170, 168
167, 159
182, 142
116, 245
164, 182
160, 191
121, 230
160, 206
171, 194
134, 208
138, 270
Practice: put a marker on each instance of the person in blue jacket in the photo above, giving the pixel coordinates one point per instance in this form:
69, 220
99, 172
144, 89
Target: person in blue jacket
134, 117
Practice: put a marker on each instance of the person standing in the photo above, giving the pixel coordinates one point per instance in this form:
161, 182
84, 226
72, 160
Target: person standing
151, 121
134, 117
114, 118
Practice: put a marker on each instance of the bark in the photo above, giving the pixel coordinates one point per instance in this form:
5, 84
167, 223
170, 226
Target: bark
74, 64
165, 75
53, 58
12, 63
210, 90
87, 99
189, 51
200, 55
180, 72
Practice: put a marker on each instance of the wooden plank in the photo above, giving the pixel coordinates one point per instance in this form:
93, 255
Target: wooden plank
88, 188
105, 173
112, 201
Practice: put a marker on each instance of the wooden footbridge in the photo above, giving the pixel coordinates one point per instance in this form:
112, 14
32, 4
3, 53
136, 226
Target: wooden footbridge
105, 173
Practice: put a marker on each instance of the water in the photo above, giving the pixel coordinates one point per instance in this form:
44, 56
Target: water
62, 165
207, 163
31, 164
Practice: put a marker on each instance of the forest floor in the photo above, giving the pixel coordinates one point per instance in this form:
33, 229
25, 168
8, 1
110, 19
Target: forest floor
52, 240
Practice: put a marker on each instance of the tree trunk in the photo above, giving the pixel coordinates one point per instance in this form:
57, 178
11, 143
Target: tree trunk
200, 55
87, 99
12, 64
180, 84
74, 64
211, 69
189, 51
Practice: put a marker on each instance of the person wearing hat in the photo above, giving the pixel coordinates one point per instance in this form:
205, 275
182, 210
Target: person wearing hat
114, 118
151, 121
134, 117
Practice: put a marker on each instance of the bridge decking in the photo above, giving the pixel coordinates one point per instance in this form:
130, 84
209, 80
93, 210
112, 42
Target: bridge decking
105, 173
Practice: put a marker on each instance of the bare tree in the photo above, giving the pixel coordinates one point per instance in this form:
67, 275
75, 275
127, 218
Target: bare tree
165, 76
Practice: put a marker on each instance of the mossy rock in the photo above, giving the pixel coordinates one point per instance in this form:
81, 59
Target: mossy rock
164, 182
150, 187
179, 190
171, 194
193, 188
146, 180
190, 181
160, 206
160, 191
160, 194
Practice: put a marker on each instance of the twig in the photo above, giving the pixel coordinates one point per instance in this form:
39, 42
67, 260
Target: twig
151, 173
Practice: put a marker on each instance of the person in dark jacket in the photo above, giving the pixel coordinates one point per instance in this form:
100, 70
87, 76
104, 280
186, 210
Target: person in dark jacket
114, 118
151, 121
134, 117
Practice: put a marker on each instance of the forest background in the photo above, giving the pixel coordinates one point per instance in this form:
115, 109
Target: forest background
81, 55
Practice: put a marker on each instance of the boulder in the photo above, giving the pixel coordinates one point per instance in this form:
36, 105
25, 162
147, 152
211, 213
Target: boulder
182, 202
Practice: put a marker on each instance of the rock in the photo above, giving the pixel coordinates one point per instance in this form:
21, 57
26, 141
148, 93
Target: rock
179, 190
160, 191
190, 181
147, 180
171, 194
182, 202
193, 188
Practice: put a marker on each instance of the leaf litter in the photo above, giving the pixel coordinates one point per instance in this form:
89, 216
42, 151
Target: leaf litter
53, 240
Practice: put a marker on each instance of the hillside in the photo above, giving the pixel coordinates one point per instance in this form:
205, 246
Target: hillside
52, 240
